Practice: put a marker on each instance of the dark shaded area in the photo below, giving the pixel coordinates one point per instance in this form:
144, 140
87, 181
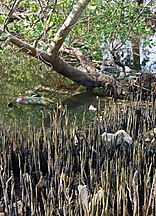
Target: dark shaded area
48, 164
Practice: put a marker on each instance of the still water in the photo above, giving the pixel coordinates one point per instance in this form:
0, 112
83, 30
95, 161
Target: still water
32, 115
21, 75
139, 56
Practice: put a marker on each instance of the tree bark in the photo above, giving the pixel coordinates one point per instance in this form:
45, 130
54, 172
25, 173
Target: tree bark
89, 80
59, 65
140, 2
68, 24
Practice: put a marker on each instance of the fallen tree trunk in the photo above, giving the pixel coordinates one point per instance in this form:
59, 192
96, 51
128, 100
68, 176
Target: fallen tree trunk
89, 79
111, 86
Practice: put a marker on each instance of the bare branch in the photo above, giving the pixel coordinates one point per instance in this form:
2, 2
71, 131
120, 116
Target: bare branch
15, 5
22, 45
68, 24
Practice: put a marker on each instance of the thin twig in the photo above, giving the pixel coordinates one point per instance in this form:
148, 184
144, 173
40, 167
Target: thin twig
12, 10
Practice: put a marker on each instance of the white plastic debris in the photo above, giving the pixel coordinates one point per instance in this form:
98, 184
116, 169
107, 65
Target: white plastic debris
118, 138
122, 136
83, 192
76, 140
150, 136
127, 69
92, 108
99, 195
109, 138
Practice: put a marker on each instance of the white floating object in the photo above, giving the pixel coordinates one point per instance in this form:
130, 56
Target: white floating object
92, 108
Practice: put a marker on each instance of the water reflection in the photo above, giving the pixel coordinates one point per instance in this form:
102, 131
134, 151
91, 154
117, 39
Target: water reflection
24, 115
139, 55
148, 54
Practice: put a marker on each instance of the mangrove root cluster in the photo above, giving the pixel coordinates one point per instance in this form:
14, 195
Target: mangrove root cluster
43, 171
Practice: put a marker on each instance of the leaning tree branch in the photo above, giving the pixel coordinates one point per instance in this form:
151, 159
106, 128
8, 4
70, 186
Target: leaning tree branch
20, 44
68, 24
88, 80
84, 61
59, 65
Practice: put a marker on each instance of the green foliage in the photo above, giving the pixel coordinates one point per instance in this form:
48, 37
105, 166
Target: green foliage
21, 74
149, 42
99, 91
3, 36
39, 21
114, 20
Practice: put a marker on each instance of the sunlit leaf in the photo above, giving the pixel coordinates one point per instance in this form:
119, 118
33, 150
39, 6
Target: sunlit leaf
4, 36
50, 19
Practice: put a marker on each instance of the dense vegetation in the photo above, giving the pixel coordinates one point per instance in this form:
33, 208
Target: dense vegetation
38, 21
34, 27
66, 169
61, 165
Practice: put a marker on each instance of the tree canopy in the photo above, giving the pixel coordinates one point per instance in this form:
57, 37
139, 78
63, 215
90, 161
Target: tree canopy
47, 30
